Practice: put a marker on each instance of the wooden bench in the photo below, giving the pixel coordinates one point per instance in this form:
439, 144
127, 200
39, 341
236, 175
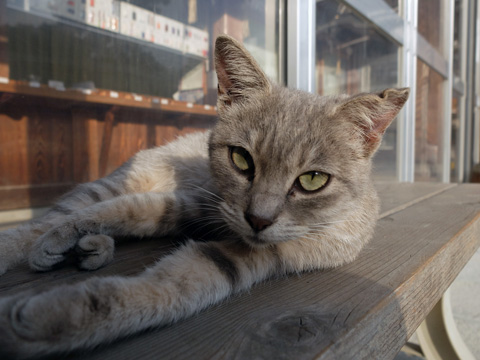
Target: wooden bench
364, 310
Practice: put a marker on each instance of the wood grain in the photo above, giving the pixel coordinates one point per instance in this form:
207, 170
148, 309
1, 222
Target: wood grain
397, 196
27, 196
87, 130
364, 310
52, 141
106, 140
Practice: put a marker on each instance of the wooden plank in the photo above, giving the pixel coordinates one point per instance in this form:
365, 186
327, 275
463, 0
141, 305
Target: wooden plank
364, 310
13, 135
86, 144
61, 144
26, 196
397, 196
130, 258
106, 140
39, 148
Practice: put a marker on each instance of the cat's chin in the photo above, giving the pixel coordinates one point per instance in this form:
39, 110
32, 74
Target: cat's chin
257, 241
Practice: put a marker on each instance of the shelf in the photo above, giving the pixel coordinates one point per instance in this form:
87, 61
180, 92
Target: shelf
62, 20
108, 97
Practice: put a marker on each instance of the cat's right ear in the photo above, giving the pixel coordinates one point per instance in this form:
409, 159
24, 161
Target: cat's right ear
239, 76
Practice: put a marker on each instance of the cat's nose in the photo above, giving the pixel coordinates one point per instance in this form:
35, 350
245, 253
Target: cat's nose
257, 223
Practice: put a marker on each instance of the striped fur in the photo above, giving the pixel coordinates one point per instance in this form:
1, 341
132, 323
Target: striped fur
263, 224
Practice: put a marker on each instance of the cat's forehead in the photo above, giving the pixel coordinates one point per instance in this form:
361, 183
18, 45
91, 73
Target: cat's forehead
291, 129
292, 112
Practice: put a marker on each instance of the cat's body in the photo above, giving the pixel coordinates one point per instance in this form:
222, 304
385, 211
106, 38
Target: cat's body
282, 184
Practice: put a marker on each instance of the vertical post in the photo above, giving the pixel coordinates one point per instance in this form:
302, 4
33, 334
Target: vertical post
448, 15
301, 44
282, 42
4, 67
470, 87
406, 160
464, 41
476, 97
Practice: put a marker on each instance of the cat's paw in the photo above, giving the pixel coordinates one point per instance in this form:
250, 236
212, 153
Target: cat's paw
15, 341
11, 252
56, 321
52, 247
95, 251
33, 325
4, 260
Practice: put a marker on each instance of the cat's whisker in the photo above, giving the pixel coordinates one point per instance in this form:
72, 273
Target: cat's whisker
205, 224
224, 227
203, 220
212, 195
335, 222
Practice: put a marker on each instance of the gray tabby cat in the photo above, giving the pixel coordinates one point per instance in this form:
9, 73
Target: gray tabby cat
283, 177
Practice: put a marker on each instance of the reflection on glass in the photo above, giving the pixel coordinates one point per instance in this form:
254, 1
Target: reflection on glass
456, 98
394, 4
457, 38
455, 139
353, 57
430, 22
428, 124
160, 48
86, 84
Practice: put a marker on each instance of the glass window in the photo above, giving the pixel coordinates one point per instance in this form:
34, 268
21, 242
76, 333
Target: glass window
429, 125
457, 37
352, 57
86, 84
457, 98
455, 138
430, 22
394, 4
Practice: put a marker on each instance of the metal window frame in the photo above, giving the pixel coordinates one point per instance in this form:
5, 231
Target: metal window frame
406, 153
460, 86
448, 18
475, 123
301, 16
472, 46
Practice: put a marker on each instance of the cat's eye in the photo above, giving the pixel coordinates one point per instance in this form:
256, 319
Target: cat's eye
312, 181
242, 160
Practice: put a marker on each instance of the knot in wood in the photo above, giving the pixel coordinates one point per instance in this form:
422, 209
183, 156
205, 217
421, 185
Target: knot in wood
297, 329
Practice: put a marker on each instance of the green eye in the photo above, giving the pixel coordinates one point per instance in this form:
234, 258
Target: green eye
242, 160
313, 180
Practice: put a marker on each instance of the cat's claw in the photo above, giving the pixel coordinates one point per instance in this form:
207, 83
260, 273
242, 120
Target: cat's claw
95, 251
52, 247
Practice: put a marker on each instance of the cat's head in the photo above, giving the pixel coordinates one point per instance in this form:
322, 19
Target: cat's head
291, 164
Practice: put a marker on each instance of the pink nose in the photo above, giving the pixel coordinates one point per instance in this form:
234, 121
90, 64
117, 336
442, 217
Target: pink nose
257, 224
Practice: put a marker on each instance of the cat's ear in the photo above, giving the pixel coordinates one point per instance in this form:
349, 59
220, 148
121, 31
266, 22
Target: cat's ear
239, 75
373, 113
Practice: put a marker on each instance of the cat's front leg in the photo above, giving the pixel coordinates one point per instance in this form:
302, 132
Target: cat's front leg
89, 232
103, 309
15, 243
58, 320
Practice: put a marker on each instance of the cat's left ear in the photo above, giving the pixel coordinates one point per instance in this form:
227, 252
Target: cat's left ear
373, 113
239, 76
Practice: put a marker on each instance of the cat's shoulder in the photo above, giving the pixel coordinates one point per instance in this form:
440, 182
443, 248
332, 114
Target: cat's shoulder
186, 146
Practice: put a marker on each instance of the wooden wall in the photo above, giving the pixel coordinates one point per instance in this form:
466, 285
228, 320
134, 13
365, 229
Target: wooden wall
49, 145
